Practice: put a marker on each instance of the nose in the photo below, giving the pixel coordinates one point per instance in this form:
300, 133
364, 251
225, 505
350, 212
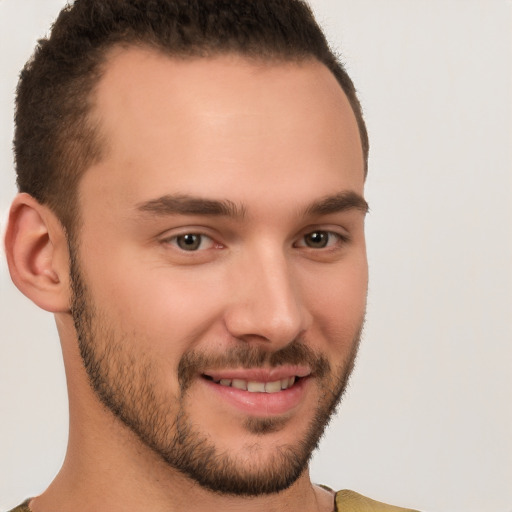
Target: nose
266, 304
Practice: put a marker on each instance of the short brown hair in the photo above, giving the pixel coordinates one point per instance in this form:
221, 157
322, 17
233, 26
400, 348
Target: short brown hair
55, 139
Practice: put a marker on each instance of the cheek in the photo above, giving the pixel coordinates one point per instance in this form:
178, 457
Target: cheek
166, 307
337, 301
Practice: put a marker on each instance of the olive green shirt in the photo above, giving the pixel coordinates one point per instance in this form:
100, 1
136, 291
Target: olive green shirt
346, 501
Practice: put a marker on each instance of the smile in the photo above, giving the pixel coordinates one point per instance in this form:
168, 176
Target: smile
259, 392
258, 387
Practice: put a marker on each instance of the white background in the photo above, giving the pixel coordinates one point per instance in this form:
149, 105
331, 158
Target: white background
427, 422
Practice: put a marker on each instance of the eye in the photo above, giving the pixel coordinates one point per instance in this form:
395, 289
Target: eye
321, 239
191, 242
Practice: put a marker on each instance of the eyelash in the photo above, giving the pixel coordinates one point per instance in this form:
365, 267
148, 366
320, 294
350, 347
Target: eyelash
175, 240
333, 238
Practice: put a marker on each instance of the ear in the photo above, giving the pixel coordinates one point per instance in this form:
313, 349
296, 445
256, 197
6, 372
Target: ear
37, 254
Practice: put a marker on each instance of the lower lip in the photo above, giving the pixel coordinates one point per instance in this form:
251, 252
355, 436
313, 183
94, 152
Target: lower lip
261, 404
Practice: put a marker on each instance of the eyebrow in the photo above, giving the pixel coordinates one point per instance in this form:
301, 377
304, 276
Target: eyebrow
338, 203
188, 205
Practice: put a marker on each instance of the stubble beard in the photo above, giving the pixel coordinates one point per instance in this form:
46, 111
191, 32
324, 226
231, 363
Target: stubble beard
125, 383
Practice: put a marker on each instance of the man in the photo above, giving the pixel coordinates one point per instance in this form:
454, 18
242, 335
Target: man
191, 209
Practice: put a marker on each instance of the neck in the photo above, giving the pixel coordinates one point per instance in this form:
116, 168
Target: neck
99, 483
107, 468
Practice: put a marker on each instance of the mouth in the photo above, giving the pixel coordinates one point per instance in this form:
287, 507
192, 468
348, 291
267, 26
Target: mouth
260, 391
255, 386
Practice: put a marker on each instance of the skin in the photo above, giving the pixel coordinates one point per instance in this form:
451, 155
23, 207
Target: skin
271, 139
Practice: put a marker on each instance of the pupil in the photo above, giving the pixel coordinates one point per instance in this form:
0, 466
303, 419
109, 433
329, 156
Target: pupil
189, 242
317, 239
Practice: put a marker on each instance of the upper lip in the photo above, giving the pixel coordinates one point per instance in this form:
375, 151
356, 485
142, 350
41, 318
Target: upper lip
259, 374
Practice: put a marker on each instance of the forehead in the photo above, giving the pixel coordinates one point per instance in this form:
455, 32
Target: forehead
170, 122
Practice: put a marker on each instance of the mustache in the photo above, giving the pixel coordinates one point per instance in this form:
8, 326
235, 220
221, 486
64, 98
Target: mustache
250, 356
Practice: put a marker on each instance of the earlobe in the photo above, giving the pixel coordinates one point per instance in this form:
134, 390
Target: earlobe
36, 249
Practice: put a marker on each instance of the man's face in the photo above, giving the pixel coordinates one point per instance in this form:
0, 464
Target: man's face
220, 273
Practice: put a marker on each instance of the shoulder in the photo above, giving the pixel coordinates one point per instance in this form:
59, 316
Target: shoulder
350, 501
22, 508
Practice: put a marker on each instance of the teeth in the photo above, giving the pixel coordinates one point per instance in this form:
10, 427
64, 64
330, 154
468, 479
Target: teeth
239, 384
273, 387
258, 387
